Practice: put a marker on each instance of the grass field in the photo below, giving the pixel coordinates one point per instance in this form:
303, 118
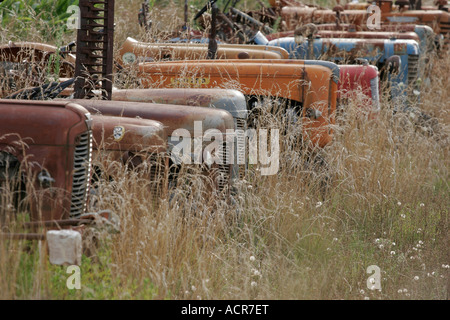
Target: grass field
386, 204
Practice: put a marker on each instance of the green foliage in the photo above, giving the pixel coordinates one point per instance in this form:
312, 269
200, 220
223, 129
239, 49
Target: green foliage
98, 282
47, 17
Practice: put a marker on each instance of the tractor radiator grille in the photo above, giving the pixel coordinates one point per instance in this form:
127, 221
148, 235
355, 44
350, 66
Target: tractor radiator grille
241, 150
81, 171
445, 28
445, 31
158, 175
413, 68
224, 170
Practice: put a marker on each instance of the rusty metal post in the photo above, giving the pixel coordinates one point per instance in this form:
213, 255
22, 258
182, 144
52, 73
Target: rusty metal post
95, 39
144, 15
212, 45
186, 14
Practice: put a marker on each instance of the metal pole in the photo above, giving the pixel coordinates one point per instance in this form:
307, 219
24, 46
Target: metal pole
186, 14
212, 45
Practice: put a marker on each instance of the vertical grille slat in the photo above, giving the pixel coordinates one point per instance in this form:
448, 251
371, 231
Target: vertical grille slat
81, 169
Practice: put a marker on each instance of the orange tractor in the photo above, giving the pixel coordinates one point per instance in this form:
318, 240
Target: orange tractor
309, 89
295, 15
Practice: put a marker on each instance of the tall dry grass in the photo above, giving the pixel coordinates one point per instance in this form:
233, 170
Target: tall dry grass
378, 195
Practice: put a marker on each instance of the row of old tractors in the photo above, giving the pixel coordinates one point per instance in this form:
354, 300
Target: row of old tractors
315, 63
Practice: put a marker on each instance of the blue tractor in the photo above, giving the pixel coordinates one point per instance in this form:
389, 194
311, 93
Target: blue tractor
397, 59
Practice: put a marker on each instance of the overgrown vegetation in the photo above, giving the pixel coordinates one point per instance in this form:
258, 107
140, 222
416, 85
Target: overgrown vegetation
29, 19
386, 204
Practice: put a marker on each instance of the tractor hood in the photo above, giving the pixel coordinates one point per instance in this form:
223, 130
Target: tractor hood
134, 51
19, 117
230, 100
343, 48
171, 116
113, 133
